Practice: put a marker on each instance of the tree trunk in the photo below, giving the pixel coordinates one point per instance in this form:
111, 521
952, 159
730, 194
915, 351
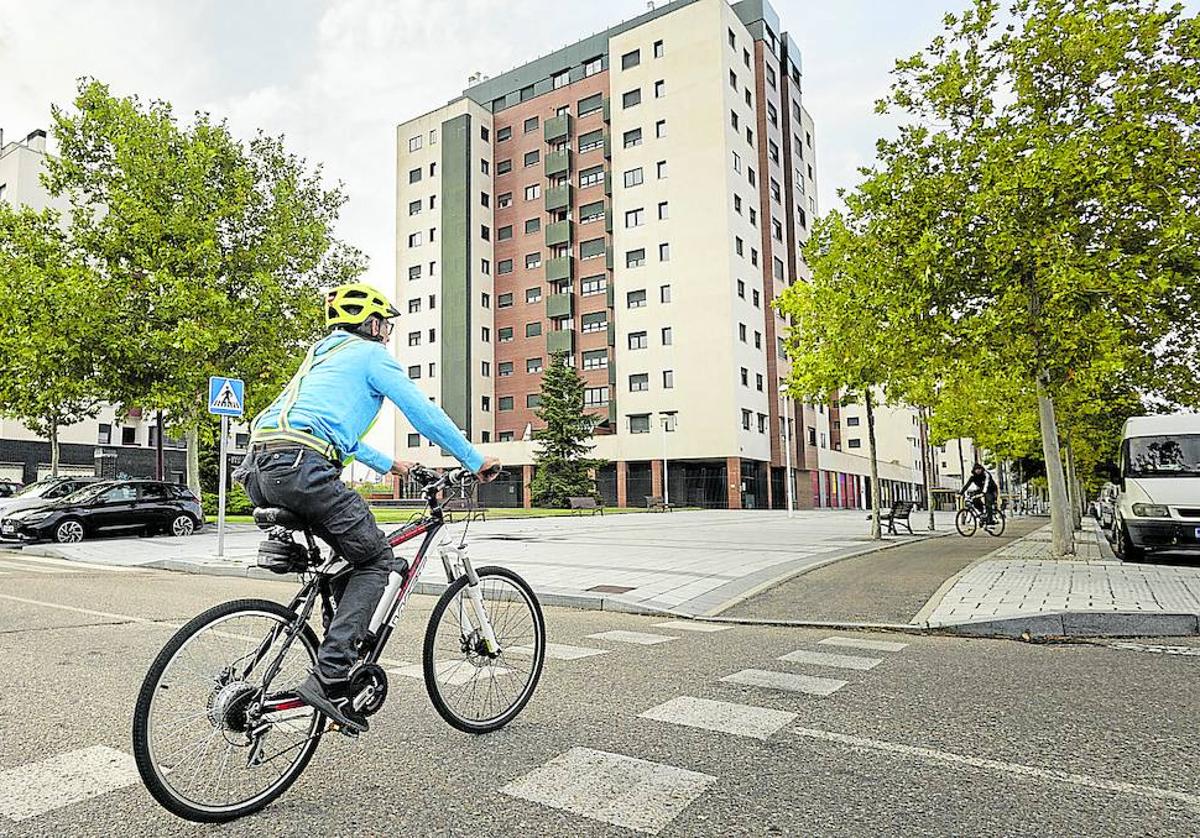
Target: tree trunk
927, 466
876, 533
193, 462
54, 453
962, 464
1073, 490
1062, 535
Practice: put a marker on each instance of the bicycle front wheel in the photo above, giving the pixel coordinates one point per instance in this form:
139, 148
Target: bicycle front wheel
202, 744
965, 523
474, 690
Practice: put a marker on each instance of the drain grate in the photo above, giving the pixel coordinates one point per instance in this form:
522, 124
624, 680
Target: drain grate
611, 589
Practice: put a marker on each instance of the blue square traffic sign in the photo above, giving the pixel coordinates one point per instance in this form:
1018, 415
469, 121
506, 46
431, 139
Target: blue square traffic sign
226, 396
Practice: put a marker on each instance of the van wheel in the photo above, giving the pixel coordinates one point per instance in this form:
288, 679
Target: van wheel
1128, 551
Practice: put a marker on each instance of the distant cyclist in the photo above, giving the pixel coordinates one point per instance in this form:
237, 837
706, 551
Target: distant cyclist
983, 482
299, 445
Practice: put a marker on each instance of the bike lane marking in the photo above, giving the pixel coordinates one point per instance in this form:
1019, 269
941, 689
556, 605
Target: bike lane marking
691, 625
636, 637
828, 659
1012, 768
33, 789
720, 716
125, 618
613, 788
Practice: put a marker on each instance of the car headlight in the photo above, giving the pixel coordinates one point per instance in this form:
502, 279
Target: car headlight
36, 518
1151, 510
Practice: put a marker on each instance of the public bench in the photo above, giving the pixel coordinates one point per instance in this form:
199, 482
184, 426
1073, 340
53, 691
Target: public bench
901, 511
655, 503
585, 504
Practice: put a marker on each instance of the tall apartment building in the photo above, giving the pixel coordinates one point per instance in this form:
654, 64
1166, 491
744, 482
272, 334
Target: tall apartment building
637, 200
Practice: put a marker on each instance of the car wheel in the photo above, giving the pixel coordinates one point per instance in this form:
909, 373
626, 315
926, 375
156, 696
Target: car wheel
69, 531
183, 525
1127, 550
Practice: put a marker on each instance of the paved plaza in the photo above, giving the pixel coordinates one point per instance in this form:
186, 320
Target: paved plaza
693, 563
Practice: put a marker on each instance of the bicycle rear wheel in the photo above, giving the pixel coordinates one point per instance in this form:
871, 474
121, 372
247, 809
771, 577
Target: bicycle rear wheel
996, 528
965, 523
194, 723
474, 691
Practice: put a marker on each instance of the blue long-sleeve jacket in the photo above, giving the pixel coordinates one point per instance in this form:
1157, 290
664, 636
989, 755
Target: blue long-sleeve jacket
339, 397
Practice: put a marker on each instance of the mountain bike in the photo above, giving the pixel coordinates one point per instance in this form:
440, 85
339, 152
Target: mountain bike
973, 516
217, 734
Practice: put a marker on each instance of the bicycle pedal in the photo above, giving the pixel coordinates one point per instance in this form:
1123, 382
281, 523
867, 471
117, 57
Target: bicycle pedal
348, 732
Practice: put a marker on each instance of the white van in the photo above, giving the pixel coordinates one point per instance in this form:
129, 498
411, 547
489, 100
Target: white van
1158, 508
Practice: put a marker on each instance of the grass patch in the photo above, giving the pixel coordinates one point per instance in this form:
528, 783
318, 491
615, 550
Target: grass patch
389, 515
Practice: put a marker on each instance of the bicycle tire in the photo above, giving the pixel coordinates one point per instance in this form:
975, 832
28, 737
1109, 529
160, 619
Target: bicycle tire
428, 657
965, 523
142, 748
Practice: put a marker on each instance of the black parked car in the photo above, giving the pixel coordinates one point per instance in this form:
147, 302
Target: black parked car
112, 506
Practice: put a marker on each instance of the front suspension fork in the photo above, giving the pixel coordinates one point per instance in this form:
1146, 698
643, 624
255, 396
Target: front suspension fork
460, 565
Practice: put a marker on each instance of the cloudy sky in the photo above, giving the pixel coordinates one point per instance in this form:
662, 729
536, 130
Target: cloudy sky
336, 77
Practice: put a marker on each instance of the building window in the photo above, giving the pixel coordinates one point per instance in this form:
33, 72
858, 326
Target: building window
754, 257
105, 437
758, 381
754, 298
533, 192
633, 177
661, 167
485, 168
414, 338
631, 59
485, 369
414, 175
635, 258
504, 266
414, 143
531, 124
485, 232
852, 421
742, 332
595, 359
533, 400
664, 252
666, 336
635, 217
638, 340
758, 340
664, 293
739, 246
504, 300
432, 335
733, 120
414, 207
660, 128
732, 40
593, 66
485, 300
639, 423
414, 272
504, 233
592, 285
504, 334
591, 140
639, 382
534, 329
668, 379
532, 295
505, 403
594, 322
631, 98
635, 299
532, 157
632, 138
745, 377
658, 49
590, 104
591, 176
746, 414
416, 239
561, 79
414, 305
762, 423
595, 396
592, 249
414, 371
503, 167
504, 201
854, 443
741, 289
414, 440
533, 260
773, 114
532, 225
771, 77
660, 89
503, 134
485, 334
777, 268
662, 211
533, 364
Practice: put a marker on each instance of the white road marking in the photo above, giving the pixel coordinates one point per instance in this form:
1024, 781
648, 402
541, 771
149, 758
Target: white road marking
828, 659
863, 643
635, 637
127, 618
932, 755
721, 716
785, 681
559, 651
612, 788
1153, 648
73, 565
11, 565
453, 673
36, 788
690, 625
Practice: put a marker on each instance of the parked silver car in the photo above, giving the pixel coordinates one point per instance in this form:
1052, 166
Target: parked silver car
1105, 504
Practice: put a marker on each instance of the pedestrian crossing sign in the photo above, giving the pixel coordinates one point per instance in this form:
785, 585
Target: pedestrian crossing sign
226, 396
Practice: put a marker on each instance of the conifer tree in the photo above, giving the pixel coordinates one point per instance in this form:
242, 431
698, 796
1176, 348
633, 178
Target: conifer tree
564, 468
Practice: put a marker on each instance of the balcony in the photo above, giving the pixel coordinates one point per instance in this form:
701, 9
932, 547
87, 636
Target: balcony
558, 162
608, 184
612, 333
612, 374
561, 341
610, 296
560, 232
608, 220
608, 257
607, 147
559, 197
559, 305
560, 268
558, 127
607, 109
612, 412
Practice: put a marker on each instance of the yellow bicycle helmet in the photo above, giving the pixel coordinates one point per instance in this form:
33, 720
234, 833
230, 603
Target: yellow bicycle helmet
352, 303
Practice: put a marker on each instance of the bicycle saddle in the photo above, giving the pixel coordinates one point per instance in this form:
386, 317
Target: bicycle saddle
268, 517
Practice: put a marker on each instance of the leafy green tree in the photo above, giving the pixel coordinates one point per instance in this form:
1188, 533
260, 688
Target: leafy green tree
564, 468
49, 324
210, 252
1047, 185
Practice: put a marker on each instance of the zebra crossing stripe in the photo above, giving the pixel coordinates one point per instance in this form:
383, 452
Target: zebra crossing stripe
36, 788
720, 716
788, 681
558, 651
638, 638
828, 659
612, 788
690, 625
863, 643
24, 568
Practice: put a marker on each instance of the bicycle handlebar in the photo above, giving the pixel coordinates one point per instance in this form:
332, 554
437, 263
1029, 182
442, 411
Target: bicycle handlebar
432, 480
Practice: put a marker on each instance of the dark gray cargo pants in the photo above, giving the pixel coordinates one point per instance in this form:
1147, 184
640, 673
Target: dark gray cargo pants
303, 481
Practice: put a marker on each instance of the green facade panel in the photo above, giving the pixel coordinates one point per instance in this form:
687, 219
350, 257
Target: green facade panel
456, 271
559, 197
560, 232
558, 127
558, 162
561, 341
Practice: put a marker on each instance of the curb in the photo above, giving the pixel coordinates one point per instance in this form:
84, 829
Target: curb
1073, 624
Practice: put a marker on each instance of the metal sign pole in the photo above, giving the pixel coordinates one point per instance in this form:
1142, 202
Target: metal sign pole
221, 489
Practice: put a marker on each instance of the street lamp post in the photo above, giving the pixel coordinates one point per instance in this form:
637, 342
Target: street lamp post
787, 448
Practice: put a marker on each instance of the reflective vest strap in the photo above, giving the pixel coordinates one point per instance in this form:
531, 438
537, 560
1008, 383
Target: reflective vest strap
292, 391
298, 437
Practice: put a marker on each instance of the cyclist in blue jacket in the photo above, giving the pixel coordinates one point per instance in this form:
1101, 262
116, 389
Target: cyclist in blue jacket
300, 444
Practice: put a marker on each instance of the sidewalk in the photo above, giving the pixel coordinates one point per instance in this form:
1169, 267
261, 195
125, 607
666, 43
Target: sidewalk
1020, 590
687, 563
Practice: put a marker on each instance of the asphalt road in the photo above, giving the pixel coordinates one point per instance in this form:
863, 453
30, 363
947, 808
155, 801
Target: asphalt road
887, 586
945, 736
